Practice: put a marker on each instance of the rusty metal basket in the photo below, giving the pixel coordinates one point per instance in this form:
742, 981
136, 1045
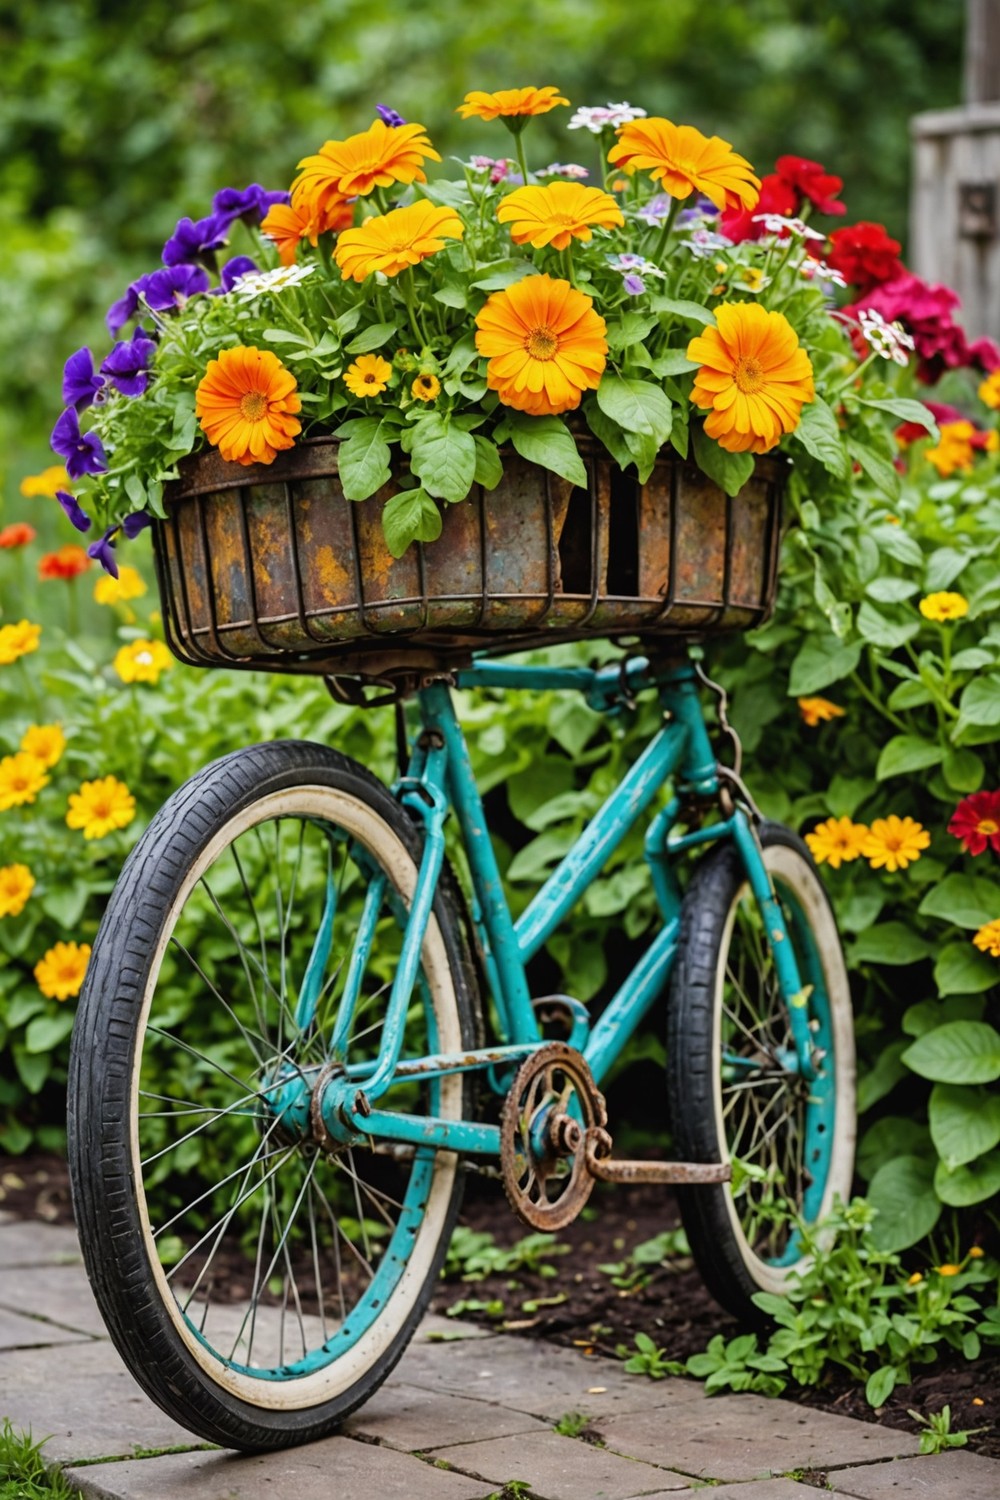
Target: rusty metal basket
270, 567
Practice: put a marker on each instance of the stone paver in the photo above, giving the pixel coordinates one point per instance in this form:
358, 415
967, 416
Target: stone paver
28, 1243
560, 1468
407, 1417
940, 1476
17, 1332
336, 1469
59, 1293
437, 1329
764, 1489
749, 1437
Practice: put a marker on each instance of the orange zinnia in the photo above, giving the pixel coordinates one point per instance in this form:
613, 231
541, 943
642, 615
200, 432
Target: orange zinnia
396, 240
17, 534
556, 214
246, 403
545, 345
683, 161
509, 103
69, 561
754, 376
286, 225
376, 157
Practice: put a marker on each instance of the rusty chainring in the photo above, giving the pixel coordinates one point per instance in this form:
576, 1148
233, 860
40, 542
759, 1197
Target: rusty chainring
543, 1148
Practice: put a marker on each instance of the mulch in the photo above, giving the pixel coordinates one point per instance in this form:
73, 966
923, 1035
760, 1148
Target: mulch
672, 1305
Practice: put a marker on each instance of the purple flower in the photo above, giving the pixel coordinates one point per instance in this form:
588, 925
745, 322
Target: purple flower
161, 289
127, 366
234, 269
136, 522
81, 452
194, 241
103, 552
73, 510
80, 384
249, 203
389, 116
656, 210
120, 312
633, 284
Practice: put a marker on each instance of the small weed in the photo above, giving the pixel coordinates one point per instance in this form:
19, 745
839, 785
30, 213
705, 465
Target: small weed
474, 1254
23, 1475
514, 1489
647, 1359
571, 1424
492, 1309
937, 1436
639, 1267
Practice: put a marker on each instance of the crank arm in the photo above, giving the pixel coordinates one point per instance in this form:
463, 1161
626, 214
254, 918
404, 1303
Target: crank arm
608, 1169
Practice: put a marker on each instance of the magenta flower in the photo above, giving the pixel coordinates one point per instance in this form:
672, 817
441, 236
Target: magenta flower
73, 511
80, 384
81, 452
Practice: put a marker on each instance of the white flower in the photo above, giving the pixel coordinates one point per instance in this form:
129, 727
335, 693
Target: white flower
775, 223
630, 264
256, 283
596, 118
818, 270
891, 340
705, 242
564, 169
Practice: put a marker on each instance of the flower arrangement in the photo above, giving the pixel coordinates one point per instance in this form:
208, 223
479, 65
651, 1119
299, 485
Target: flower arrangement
672, 297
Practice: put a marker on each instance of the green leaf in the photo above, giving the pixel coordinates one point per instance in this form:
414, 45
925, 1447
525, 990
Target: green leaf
631, 328
822, 438
489, 469
636, 405
682, 308
891, 590
906, 410
730, 471
958, 1052
963, 770
980, 702
821, 662
890, 943
410, 516
32, 1068
926, 1015
880, 1385
608, 433
943, 567
908, 1207
962, 970
965, 1122
671, 362
504, 273
879, 470
363, 458
644, 451
972, 659
882, 632
443, 457
375, 336
966, 900
905, 753
45, 1033
66, 904
548, 441
973, 1183
883, 1077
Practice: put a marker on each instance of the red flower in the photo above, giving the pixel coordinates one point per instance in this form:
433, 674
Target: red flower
976, 821
17, 535
776, 197
910, 432
926, 311
813, 183
66, 563
865, 255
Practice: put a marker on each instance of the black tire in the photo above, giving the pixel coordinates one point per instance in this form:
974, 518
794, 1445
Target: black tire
109, 1194
737, 1248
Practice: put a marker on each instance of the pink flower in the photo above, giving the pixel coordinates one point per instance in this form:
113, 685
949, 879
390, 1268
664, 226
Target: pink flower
927, 312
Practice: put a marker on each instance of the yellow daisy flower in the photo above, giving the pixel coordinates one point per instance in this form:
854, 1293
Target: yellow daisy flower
556, 214
915, 1279
545, 345
44, 743
836, 841
989, 391
948, 1270
818, 710
99, 807
943, 607
16, 885
21, 779
129, 584
514, 106
755, 377
142, 661
683, 161
954, 450
376, 157
17, 640
59, 973
368, 376
46, 483
391, 242
426, 387
893, 843
987, 939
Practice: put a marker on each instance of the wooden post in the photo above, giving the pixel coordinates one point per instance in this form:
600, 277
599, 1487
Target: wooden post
982, 51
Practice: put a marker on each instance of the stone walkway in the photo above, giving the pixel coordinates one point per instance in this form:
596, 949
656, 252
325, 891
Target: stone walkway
465, 1414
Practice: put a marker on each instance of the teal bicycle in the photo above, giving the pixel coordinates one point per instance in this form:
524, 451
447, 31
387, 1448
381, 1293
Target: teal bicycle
298, 1028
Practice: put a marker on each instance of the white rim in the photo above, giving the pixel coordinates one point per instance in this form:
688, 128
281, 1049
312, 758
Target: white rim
370, 830
781, 861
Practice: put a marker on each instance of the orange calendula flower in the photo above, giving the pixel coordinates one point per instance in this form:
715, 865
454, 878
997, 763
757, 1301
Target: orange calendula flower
545, 345
69, 562
142, 661
818, 710
16, 885
60, 973
755, 377
557, 214
683, 161
948, 1270
426, 387
129, 584
45, 743
99, 807
47, 483
954, 450
376, 157
18, 534
287, 225
17, 640
893, 843
944, 606
989, 391
21, 779
514, 106
987, 939
246, 404
915, 1279
368, 376
836, 841
393, 241
976, 1253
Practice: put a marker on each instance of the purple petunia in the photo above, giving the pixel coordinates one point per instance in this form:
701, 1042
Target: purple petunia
102, 551
389, 116
82, 452
127, 366
80, 384
136, 522
159, 290
73, 510
192, 240
239, 266
249, 203
633, 284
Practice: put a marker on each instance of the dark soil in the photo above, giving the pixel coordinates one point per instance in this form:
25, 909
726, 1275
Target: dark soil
671, 1304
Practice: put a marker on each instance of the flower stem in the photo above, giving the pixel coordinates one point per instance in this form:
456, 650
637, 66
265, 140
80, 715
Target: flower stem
522, 159
668, 225
406, 283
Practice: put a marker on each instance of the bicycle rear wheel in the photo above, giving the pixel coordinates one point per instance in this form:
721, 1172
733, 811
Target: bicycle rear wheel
260, 1288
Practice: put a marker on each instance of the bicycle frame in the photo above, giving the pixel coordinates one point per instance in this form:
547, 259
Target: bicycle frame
440, 777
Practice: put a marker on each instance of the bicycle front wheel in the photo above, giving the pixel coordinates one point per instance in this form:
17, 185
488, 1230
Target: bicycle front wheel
734, 1089
259, 1287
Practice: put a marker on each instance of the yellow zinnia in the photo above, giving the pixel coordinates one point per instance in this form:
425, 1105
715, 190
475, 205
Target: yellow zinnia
755, 377
246, 403
129, 584
393, 241
987, 939
368, 376
989, 391
944, 606
893, 843
426, 387
513, 106
142, 661
557, 214
836, 841
818, 710
954, 449
47, 483
17, 640
101, 806
683, 161
376, 157
545, 345
16, 885
21, 779
44, 743
59, 974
